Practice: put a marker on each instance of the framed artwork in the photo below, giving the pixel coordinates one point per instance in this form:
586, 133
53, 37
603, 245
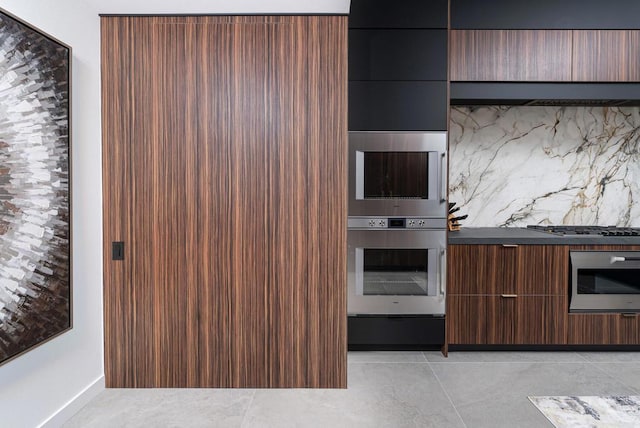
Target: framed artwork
35, 235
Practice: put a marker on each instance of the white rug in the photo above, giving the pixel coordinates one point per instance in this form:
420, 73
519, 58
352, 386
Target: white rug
593, 412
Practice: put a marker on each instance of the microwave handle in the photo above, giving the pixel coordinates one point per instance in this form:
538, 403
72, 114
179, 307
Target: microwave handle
443, 180
615, 259
443, 270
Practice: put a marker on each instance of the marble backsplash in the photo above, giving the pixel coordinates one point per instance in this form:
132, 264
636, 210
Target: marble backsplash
514, 166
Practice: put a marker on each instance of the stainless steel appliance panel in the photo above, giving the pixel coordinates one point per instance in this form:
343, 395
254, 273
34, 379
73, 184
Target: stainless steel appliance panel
409, 177
605, 281
396, 271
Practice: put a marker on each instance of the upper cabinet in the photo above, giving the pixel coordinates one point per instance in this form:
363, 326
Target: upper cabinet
398, 65
399, 14
606, 55
545, 14
402, 54
545, 55
510, 55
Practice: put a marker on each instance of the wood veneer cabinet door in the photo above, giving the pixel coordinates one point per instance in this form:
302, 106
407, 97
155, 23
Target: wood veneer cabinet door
606, 55
510, 55
543, 270
234, 129
603, 329
481, 269
526, 320
466, 319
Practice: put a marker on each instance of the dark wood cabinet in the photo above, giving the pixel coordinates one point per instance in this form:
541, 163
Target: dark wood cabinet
510, 55
507, 294
603, 329
224, 150
529, 320
466, 319
606, 55
482, 269
545, 56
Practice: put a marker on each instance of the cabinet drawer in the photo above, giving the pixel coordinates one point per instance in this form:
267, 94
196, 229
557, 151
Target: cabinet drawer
397, 54
526, 320
481, 269
506, 320
397, 106
466, 320
604, 329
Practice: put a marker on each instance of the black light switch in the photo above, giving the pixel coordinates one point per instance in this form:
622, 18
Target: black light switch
117, 251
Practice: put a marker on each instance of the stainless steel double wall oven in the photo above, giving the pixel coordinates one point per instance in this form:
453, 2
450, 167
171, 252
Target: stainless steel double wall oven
397, 223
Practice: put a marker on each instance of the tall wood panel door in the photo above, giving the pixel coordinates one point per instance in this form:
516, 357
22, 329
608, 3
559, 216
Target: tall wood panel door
255, 186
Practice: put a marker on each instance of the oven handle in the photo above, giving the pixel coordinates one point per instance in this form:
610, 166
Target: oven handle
443, 269
443, 180
615, 259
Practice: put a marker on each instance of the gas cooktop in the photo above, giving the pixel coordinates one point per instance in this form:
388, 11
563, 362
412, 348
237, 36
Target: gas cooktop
588, 230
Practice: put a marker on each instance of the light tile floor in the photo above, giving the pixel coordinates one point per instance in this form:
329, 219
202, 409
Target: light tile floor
385, 389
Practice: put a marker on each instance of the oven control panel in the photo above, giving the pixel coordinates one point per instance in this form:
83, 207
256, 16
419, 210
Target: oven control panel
396, 223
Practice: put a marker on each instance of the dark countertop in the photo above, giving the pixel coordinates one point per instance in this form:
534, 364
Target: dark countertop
516, 235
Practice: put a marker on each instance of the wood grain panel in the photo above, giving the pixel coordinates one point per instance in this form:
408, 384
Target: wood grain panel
215, 214
541, 320
510, 55
481, 269
603, 329
543, 270
116, 136
466, 320
164, 201
327, 204
526, 320
235, 221
604, 247
606, 55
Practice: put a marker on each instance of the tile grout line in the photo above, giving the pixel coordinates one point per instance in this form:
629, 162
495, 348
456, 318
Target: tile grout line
246, 412
596, 365
446, 394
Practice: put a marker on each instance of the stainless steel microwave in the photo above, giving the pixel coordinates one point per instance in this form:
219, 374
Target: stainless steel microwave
398, 174
605, 281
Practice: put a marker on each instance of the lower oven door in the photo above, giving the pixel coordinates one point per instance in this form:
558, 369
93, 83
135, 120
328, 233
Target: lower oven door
605, 281
396, 272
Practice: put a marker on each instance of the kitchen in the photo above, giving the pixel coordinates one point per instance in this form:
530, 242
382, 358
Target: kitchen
541, 132
506, 372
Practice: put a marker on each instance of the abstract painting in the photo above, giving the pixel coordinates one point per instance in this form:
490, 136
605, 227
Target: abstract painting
35, 274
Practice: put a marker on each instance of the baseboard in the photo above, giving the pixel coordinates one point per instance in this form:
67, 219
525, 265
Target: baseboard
74, 405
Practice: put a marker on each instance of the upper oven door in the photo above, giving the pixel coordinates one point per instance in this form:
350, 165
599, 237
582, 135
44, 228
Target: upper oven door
605, 281
398, 174
396, 272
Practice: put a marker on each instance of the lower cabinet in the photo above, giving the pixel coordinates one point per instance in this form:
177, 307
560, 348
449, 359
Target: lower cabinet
519, 295
507, 320
507, 294
604, 329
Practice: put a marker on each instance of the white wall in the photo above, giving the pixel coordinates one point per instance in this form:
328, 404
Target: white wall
221, 6
36, 385
48, 384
